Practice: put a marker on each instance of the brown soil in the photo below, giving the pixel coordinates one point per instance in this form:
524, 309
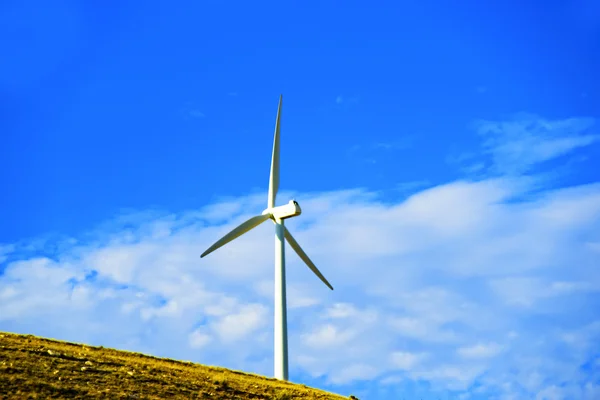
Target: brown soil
37, 368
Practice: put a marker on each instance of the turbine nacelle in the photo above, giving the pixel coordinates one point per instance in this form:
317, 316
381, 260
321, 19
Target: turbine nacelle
289, 210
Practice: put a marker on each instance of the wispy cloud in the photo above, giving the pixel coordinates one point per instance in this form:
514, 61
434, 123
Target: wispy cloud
196, 114
191, 111
412, 186
373, 152
524, 143
346, 100
458, 287
4, 251
397, 144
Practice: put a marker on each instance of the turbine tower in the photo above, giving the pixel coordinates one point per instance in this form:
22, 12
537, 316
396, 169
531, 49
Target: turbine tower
277, 215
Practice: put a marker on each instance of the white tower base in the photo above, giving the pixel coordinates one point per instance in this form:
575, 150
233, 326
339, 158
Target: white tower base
281, 345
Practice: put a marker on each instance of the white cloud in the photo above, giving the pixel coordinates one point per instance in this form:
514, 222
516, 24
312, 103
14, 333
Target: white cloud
489, 286
455, 376
341, 310
354, 372
239, 325
406, 361
328, 336
199, 339
480, 350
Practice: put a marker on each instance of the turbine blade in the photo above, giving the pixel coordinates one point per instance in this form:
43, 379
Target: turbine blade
274, 178
304, 257
239, 231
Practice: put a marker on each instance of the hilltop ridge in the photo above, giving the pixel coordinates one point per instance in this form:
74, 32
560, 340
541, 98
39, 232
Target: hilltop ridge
34, 367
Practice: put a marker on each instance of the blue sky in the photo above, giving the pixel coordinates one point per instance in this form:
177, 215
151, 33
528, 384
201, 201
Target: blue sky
444, 153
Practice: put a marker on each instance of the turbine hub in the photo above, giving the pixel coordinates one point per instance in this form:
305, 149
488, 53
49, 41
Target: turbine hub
289, 210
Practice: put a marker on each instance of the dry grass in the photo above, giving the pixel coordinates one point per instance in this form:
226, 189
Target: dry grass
32, 367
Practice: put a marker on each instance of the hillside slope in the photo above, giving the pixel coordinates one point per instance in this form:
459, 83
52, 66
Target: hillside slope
32, 367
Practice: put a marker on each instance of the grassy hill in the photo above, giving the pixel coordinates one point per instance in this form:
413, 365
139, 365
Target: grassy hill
33, 367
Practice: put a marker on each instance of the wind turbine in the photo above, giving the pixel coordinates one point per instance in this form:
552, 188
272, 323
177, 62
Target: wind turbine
277, 215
